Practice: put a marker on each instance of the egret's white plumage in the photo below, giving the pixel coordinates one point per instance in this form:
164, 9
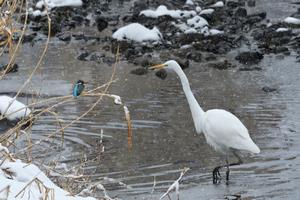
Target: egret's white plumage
222, 130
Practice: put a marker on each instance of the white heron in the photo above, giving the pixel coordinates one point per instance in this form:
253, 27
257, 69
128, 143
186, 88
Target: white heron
222, 130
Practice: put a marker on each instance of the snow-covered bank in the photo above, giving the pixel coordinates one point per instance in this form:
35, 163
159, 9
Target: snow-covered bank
292, 20
20, 180
50, 4
163, 10
57, 3
13, 109
138, 33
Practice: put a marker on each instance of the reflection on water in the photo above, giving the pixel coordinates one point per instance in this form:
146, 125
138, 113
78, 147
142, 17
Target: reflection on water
164, 139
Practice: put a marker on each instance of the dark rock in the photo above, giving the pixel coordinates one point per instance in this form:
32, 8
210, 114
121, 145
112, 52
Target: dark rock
249, 68
97, 57
83, 56
35, 28
29, 37
249, 57
78, 36
268, 89
139, 71
78, 19
64, 37
184, 39
101, 23
55, 27
255, 18
131, 53
13, 68
235, 4
162, 74
241, 12
221, 65
109, 60
123, 46
188, 53
251, 3
210, 57
194, 55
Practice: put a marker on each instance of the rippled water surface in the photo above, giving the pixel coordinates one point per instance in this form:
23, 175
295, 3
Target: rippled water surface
164, 139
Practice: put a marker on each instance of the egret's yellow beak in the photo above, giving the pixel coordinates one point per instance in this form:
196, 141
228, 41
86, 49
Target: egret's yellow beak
156, 67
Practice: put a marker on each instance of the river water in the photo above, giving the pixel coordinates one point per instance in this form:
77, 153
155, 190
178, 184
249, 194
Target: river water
164, 139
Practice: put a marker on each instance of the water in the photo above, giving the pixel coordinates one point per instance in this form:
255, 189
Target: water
164, 139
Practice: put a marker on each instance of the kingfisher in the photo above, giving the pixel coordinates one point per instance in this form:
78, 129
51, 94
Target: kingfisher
78, 88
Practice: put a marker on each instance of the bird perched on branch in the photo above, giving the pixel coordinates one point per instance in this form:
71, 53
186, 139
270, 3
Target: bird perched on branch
78, 88
222, 130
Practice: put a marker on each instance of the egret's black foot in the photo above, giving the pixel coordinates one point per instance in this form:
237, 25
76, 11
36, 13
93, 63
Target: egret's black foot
216, 175
227, 177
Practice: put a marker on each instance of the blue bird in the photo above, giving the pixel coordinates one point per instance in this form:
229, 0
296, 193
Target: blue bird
78, 88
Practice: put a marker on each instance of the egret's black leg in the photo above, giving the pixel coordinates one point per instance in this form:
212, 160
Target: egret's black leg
232, 164
216, 175
227, 171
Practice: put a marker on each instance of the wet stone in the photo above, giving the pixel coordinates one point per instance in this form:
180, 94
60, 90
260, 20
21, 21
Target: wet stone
210, 57
162, 74
12, 69
249, 68
108, 60
241, 12
29, 37
251, 3
269, 89
101, 23
83, 56
221, 65
235, 4
78, 19
64, 37
123, 46
96, 57
249, 57
139, 71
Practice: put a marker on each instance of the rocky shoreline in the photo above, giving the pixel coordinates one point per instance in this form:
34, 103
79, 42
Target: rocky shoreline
239, 29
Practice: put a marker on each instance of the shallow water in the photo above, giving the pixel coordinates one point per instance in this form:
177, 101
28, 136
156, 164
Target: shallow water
164, 139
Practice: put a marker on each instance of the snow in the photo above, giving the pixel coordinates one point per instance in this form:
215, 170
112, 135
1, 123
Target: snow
50, 4
138, 33
13, 109
21, 180
57, 3
163, 10
198, 9
282, 29
117, 99
190, 30
197, 22
218, 4
207, 11
189, 2
215, 32
292, 20
2, 148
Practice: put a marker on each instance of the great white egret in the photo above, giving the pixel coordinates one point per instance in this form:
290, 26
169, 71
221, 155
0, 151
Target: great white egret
222, 130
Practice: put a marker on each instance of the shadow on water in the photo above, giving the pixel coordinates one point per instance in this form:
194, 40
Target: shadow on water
164, 137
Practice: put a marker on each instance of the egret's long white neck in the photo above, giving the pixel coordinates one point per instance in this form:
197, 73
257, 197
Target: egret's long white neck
196, 110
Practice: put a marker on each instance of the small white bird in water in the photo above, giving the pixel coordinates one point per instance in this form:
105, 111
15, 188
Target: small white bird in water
222, 130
